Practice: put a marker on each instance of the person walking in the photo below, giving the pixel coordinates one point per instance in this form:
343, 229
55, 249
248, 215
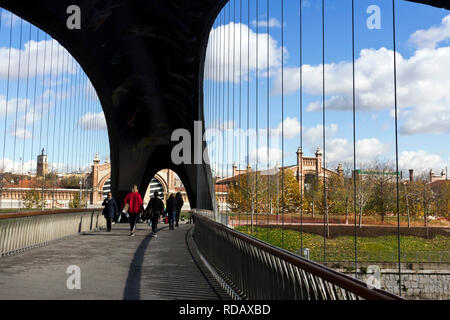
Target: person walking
171, 207
110, 210
180, 203
135, 207
155, 209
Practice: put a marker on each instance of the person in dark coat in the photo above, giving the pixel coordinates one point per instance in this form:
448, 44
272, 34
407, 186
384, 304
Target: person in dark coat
171, 207
110, 210
155, 209
180, 203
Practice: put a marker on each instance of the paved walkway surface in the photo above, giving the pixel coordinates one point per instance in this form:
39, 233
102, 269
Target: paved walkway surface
113, 266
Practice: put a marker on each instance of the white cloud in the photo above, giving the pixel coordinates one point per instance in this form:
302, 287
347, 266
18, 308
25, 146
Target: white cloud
48, 53
16, 166
6, 17
228, 60
21, 133
12, 104
340, 150
273, 23
291, 129
260, 156
431, 37
93, 121
423, 84
421, 161
314, 135
31, 165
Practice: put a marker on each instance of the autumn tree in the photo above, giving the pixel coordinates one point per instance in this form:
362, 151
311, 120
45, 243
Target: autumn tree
313, 193
76, 202
32, 199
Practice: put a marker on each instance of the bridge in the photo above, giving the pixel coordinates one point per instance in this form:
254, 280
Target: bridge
145, 65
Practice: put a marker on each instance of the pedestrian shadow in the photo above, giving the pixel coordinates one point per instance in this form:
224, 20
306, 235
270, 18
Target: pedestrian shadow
104, 234
132, 289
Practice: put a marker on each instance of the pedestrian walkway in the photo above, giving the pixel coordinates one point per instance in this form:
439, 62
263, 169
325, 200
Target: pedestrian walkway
113, 265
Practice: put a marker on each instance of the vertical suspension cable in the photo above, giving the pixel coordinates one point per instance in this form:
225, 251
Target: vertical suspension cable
35, 93
54, 121
84, 131
214, 118
282, 122
269, 199
324, 136
42, 116
73, 79
222, 94
91, 136
223, 122
228, 94
49, 96
301, 184
354, 137
63, 94
26, 104
49, 101
42, 91
234, 87
240, 104
70, 108
80, 135
396, 149
256, 118
64, 108
72, 123
17, 103
233, 82
75, 111
248, 104
217, 102
7, 94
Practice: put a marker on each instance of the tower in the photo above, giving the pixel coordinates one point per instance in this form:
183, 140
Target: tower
318, 162
42, 164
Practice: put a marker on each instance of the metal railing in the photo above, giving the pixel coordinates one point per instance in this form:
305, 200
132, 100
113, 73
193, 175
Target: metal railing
264, 272
23, 231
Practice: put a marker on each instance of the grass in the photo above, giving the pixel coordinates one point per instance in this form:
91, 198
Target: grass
373, 249
389, 220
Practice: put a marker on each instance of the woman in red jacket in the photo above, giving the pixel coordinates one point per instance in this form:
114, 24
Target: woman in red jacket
135, 207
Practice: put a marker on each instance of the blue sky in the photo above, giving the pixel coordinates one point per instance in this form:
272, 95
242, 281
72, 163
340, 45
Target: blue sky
51, 103
422, 35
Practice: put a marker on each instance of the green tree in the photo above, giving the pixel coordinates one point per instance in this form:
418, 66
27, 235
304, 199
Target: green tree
383, 185
76, 202
32, 199
71, 181
313, 193
442, 199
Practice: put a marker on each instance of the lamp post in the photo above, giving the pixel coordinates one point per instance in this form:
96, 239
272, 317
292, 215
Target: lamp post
81, 184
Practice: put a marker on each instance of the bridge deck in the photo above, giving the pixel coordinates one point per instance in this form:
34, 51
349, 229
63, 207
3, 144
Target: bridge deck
113, 266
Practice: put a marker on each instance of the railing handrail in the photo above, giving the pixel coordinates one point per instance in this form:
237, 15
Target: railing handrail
44, 213
344, 281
